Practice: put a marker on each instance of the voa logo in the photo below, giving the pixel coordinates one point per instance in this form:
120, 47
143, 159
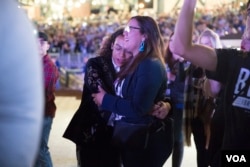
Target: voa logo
236, 158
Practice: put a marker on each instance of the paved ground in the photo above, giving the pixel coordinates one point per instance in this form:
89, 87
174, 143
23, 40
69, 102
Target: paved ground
63, 151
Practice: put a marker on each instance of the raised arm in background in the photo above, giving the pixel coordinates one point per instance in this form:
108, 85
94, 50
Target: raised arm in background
197, 54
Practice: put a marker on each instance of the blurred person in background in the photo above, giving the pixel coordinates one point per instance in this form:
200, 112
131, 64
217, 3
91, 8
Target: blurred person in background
213, 119
51, 76
176, 74
21, 85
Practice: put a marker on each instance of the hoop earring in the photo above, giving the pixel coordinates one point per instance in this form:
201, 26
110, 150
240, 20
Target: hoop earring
142, 46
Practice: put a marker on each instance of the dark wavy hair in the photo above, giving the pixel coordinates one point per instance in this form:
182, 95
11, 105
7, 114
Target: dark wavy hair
106, 48
154, 45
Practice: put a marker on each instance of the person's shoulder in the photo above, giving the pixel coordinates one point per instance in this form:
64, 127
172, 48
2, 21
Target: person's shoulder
229, 51
98, 59
98, 62
151, 63
48, 59
50, 63
232, 55
150, 60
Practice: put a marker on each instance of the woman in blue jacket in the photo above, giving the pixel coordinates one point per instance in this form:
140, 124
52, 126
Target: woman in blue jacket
139, 85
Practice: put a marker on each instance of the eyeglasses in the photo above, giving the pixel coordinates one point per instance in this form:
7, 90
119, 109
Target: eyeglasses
128, 28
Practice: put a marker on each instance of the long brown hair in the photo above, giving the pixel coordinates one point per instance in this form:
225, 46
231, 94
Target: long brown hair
154, 45
169, 55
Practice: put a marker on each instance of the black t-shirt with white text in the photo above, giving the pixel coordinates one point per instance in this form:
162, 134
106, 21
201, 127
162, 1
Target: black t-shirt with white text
233, 70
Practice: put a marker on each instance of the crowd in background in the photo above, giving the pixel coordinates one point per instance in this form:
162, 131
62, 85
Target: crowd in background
87, 37
83, 39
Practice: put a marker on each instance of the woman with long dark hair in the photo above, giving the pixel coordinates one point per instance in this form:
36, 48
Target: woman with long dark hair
141, 84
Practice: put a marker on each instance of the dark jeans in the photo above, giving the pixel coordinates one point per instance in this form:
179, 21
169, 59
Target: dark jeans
216, 139
177, 154
96, 156
200, 140
44, 158
159, 148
